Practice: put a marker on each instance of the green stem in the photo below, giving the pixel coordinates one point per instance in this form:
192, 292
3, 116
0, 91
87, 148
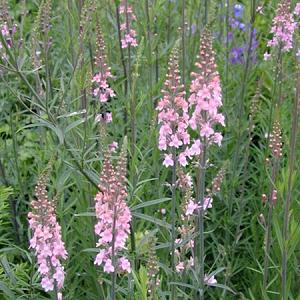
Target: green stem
268, 237
173, 233
293, 143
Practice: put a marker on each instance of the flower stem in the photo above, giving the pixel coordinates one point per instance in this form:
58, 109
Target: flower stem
268, 238
293, 143
199, 249
113, 256
173, 229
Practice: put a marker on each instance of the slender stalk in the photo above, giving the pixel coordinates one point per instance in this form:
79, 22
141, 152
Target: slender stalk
173, 233
268, 238
113, 256
227, 53
240, 106
149, 41
205, 12
121, 52
200, 219
183, 42
293, 144
169, 22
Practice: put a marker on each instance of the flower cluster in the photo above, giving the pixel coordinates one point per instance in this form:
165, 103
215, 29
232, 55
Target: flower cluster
129, 34
173, 116
7, 31
297, 9
275, 144
205, 98
152, 269
102, 91
283, 27
185, 242
46, 240
238, 54
113, 216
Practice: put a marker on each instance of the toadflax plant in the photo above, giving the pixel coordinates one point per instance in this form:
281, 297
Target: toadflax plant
173, 135
204, 102
46, 240
113, 218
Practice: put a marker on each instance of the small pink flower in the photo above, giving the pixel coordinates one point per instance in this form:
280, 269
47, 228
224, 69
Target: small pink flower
207, 203
108, 267
47, 284
191, 207
125, 264
180, 267
267, 56
168, 162
113, 147
210, 280
297, 9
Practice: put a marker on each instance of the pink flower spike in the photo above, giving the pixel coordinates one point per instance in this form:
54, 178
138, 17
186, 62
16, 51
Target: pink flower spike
46, 241
173, 117
112, 222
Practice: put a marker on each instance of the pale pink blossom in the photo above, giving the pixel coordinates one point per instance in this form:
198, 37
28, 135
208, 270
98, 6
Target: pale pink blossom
283, 27
129, 34
113, 216
297, 9
205, 98
173, 117
210, 280
46, 240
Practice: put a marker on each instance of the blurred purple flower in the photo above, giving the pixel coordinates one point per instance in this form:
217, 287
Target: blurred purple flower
238, 10
237, 55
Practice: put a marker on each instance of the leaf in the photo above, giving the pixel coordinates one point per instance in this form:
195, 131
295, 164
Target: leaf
152, 220
86, 214
73, 125
149, 203
7, 291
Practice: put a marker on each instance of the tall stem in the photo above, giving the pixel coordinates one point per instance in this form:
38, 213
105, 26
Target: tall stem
173, 233
113, 256
183, 42
293, 143
268, 238
199, 248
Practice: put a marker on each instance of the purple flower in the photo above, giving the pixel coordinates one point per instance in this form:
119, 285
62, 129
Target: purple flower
238, 10
237, 55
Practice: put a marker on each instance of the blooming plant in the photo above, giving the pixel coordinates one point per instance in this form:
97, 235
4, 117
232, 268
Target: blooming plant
46, 240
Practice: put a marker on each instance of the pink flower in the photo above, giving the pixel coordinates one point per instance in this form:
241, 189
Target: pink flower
108, 267
113, 215
205, 98
210, 280
129, 35
180, 267
168, 162
101, 90
46, 241
207, 203
47, 284
297, 9
182, 159
283, 27
113, 147
191, 207
173, 117
125, 264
